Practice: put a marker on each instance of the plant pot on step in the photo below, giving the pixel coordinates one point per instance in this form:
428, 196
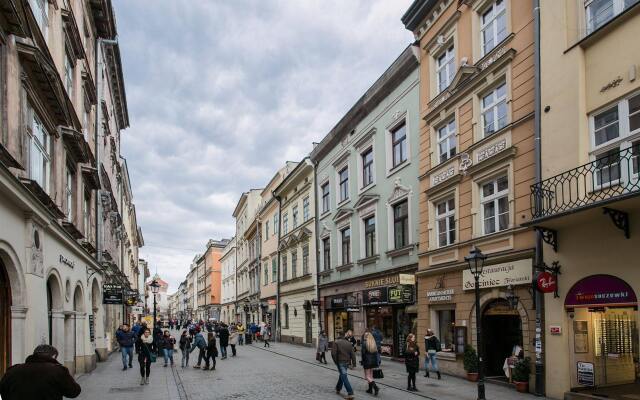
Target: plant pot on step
472, 376
522, 387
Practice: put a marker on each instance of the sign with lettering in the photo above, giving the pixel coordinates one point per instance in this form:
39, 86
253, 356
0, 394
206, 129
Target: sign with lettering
375, 296
442, 176
439, 295
64, 260
547, 283
511, 273
491, 150
136, 310
586, 375
402, 294
600, 290
391, 280
337, 302
112, 294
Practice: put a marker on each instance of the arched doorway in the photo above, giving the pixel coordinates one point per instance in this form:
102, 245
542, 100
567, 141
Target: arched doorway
501, 331
5, 319
78, 329
54, 304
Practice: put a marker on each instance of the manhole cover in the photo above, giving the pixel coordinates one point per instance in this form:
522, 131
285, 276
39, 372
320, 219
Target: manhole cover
132, 389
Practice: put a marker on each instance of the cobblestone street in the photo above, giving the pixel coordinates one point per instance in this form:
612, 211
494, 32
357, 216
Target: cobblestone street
280, 372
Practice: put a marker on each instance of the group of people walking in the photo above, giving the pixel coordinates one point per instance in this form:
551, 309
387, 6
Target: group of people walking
343, 353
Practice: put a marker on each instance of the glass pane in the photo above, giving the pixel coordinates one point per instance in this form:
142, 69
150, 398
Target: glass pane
502, 114
501, 91
501, 21
451, 204
442, 238
488, 122
489, 209
599, 12
487, 39
452, 146
487, 189
452, 229
443, 151
503, 183
635, 157
489, 225
503, 205
441, 208
487, 100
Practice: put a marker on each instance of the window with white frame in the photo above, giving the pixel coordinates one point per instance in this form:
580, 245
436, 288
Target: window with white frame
276, 223
401, 224
495, 205
447, 141
285, 272
274, 270
370, 236
325, 197
399, 144
494, 110
86, 209
494, 25
294, 263
68, 75
266, 230
599, 12
326, 254
446, 222
305, 260
343, 179
41, 12
305, 209
39, 152
367, 167
69, 193
345, 239
285, 224
445, 68
295, 216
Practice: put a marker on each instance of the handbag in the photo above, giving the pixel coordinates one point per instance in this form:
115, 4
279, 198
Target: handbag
152, 355
377, 373
317, 356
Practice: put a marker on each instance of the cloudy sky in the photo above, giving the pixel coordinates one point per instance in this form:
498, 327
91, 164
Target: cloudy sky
222, 93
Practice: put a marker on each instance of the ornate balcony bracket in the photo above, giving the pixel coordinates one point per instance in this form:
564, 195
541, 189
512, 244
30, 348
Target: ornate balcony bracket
620, 219
550, 236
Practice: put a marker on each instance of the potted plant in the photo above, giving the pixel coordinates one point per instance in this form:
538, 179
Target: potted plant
470, 361
520, 374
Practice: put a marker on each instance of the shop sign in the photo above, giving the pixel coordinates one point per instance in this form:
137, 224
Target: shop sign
375, 296
547, 283
402, 294
391, 280
136, 310
314, 303
439, 295
353, 309
112, 294
337, 302
586, 375
600, 290
497, 275
64, 260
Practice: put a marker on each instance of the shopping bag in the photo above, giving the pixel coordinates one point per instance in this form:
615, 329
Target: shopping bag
317, 356
377, 373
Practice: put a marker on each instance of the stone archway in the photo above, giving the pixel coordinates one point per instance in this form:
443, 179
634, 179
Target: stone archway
78, 328
14, 309
55, 313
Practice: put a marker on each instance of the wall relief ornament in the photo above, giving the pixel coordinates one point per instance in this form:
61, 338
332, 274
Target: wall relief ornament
399, 191
34, 250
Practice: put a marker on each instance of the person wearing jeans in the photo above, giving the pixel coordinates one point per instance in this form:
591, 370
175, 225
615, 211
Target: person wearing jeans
126, 339
342, 353
168, 343
432, 347
185, 345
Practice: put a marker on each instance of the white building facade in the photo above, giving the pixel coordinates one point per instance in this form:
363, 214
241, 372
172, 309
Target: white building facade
228, 261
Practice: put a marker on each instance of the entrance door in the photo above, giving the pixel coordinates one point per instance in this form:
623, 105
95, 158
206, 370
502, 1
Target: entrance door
501, 331
308, 327
5, 320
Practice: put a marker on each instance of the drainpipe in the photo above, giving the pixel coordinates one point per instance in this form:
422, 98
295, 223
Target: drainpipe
539, 259
317, 255
278, 333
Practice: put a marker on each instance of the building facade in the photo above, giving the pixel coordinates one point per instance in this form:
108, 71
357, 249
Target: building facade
200, 288
297, 322
228, 262
367, 205
213, 282
587, 203
476, 164
161, 299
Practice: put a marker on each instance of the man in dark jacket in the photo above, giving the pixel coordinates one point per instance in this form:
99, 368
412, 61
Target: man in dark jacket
342, 354
41, 377
201, 344
223, 334
126, 340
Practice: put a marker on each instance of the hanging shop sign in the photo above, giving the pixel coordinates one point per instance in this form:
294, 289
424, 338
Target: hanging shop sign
375, 297
112, 294
547, 282
136, 310
391, 280
435, 296
336, 302
401, 294
586, 375
600, 290
510, 273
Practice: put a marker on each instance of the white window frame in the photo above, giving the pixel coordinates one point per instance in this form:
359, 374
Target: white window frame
69, 74
492, 24
266, 230
294, 263
495, 199
276, 223
41, 12
39, 152
493, 107
294, 216
450, 129
372, 174
326, 264
406, 147
390, 219
305, 209
445, 63
305, 260
363, 240
285, 223
325, 207
340, 197
617, 8
446, 216
68, 189
349, 258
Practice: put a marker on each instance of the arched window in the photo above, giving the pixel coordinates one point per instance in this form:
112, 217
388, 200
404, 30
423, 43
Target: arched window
286, 316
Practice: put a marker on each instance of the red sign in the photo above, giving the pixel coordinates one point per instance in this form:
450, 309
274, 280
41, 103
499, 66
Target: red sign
547, 283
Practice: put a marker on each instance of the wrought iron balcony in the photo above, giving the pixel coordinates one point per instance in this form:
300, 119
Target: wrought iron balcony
612, 177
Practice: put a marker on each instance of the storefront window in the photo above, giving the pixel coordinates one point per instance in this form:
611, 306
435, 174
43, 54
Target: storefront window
446, 328
382, 318
407, 323
343, 321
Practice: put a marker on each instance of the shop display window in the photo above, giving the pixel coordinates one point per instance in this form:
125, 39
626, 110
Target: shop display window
382, 317
446, 329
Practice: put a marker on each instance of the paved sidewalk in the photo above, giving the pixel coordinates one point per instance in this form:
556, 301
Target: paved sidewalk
109, 381
449, 387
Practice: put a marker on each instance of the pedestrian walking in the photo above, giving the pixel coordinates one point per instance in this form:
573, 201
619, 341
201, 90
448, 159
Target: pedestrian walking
352, 340
185, 346
168, 344
41, 377
265, 332
342, 353
212, 351
241, 332
157, 336
377, 335
323, 346
412, 362
146, 355
431, 346
201, 344
126, 339
223, 334
233, 340
369, 351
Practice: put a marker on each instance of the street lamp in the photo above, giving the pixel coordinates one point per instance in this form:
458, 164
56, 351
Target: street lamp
476, 260
155, 288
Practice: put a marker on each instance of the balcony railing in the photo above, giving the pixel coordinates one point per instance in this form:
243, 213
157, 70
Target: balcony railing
613, 176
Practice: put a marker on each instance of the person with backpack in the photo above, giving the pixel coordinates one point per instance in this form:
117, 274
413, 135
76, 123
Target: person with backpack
212, 351
432, 347
185, 346
201, 344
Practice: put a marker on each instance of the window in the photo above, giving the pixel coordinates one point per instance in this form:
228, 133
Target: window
286, 316
86, 209
295, 216
446, 68
276, 223
305, 260
447, 141
370, 236
446, 328
606, 126
40, 159
343, 177
285, 224
266, 273
446, 222
68, 189
305, 209
294, 264
285, 273
599, 12
345, 236
608, 168
401, 224
494, 26
367, 167
266, 230
399, 144
274, 270
41, 12
494, 110
326, 254
325, 197
68, 75
495, 205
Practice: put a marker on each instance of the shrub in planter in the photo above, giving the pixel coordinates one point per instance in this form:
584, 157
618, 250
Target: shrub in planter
520, 374
470, 361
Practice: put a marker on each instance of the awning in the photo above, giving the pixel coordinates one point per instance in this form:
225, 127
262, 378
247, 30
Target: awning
600, 291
